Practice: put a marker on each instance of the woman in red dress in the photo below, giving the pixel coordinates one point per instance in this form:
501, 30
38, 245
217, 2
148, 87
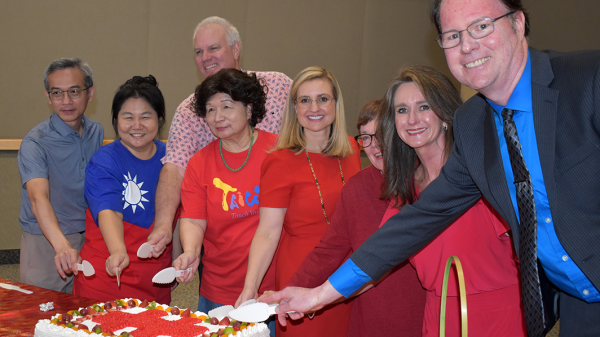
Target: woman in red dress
398, 296
416, 138
301, 181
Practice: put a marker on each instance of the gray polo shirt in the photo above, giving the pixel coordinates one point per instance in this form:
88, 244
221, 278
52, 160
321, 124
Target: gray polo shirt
54, 151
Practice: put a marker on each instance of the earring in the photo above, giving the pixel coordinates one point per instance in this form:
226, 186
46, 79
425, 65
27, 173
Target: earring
445, 126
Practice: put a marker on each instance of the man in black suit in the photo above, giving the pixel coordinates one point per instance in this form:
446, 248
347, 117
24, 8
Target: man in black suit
555, 98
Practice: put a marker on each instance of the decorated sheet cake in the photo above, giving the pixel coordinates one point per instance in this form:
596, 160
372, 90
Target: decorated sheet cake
135, 318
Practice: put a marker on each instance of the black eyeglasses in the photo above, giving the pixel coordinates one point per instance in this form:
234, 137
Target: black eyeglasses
478, 29
364, 140
74, 93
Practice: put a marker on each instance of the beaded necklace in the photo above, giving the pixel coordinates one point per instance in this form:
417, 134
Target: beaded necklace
247, 156
317, 182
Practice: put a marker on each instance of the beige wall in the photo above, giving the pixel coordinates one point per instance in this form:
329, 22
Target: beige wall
363, 42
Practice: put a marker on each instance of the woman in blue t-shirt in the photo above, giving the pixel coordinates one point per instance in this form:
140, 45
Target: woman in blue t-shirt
120, 186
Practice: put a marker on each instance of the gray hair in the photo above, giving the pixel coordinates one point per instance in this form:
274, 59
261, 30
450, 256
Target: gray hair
232, 33
65, 63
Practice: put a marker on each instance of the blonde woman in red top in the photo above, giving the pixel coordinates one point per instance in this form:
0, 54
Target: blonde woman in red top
301, 181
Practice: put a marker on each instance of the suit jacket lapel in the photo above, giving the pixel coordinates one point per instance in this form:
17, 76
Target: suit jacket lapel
494, 172
545, 105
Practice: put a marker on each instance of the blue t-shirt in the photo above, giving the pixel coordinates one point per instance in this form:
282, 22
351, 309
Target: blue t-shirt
115, 179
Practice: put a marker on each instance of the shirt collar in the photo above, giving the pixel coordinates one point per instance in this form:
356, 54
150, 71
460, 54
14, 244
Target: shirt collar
62, 128
520, 99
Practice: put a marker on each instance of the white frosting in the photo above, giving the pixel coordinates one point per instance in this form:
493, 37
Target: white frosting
211, 328
134, 310
170, 317
44, 328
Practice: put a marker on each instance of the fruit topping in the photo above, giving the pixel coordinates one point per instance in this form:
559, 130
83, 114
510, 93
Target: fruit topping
67, 318
224, 321
144, 304
91, 311
236, 325
185, 313
131, 303
175, 311
214, 321
107, 305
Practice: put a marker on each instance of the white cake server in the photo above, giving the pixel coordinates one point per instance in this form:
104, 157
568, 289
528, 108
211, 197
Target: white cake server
86, 268
254, 313
168, 275
250, 301
145, 250
14, 287
220, 312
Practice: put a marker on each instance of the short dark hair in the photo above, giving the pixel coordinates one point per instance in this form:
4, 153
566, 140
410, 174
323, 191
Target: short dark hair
511, 5
145, 88
369, 112
65, 63
399, 159
241, 87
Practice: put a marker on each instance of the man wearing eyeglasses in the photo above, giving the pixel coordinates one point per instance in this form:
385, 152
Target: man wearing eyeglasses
529, 143
52, 161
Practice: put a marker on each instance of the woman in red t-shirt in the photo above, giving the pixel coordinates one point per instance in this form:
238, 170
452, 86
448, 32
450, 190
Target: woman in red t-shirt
416, 139
301, 181
220, 191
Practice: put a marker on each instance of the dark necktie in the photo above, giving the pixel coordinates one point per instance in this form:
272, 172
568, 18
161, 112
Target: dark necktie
530, 282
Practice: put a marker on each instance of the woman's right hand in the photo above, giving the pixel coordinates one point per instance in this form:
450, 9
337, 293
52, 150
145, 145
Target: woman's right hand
247, 294
117, 260
185, 261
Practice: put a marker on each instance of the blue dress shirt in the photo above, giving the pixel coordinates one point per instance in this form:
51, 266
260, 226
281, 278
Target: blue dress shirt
559, 267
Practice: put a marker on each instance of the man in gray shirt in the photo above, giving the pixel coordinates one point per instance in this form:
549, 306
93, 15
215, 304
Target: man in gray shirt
52, 161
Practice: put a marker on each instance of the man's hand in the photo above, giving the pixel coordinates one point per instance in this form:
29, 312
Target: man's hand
160, 238
66, 260
168, 197
185, 261
302, 300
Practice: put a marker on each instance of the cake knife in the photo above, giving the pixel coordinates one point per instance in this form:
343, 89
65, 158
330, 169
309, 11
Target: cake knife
168, 275
255, 312
145, 250
14, 287
86, 268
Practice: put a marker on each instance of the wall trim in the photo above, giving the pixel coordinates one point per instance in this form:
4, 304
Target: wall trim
15, 144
